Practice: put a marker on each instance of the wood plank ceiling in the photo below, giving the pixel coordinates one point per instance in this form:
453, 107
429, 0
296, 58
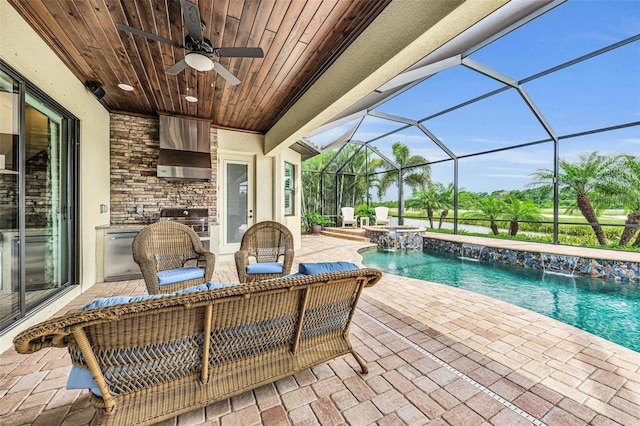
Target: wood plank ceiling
300, 40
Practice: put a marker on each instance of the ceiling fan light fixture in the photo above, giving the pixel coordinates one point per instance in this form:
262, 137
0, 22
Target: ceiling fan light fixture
191, 99
198, 61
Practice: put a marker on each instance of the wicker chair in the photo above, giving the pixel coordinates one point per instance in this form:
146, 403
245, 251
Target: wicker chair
266, 242
167, 246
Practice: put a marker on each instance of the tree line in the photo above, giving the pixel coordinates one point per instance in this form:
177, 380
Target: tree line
590, 184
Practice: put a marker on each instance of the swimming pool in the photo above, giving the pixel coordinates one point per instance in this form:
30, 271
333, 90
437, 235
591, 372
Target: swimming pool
605, 308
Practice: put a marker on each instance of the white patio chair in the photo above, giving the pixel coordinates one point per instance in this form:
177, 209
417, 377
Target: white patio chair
348, 217
382, 215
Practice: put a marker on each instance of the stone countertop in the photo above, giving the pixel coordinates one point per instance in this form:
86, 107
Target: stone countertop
133, 226
122, 226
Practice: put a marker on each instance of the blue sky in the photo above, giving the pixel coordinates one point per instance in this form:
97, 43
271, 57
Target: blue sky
600, 92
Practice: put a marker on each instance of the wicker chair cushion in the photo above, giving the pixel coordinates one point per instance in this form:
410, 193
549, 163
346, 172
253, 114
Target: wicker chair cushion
321, 267
80, 378
171, 276
265, 268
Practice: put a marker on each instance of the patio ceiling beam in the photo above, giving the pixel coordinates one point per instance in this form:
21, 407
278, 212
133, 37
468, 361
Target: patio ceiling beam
345, 137
528, 18
392, 117
420, 73
437, 141
491, 73
351, 157
534, 109
337, 123
324, 169
503, 20
389, 133
380, 53
384, 157
582, 58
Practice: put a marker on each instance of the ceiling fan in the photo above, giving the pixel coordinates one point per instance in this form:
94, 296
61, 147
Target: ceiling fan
199, 49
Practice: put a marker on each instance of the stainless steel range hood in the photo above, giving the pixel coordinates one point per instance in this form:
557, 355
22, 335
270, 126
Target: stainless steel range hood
184, 149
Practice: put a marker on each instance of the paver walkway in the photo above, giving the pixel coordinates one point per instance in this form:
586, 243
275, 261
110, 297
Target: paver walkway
436, 355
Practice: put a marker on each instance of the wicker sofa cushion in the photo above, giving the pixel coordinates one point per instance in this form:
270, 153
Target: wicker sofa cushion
80, 378
322, 267
117, 300
186, 273
265, 268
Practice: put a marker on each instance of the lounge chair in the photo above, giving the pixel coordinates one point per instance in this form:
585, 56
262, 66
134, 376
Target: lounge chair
348, 217
382, 215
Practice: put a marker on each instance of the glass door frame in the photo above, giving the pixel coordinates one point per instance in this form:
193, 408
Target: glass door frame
71, 138
225, 160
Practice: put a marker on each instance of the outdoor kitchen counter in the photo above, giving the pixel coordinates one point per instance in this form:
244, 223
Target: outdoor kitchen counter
128, 226
102, 273
103, 235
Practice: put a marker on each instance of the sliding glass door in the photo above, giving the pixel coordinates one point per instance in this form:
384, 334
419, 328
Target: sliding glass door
37, 190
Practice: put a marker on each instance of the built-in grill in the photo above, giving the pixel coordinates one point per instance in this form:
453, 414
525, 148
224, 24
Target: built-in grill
196, 219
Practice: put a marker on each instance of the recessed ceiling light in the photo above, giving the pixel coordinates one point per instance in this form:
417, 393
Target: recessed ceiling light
125, 87
191, 99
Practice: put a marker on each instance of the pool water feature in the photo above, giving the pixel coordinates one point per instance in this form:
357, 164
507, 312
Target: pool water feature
605, 308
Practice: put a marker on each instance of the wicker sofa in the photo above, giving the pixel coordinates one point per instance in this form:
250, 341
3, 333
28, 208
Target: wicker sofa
157, 358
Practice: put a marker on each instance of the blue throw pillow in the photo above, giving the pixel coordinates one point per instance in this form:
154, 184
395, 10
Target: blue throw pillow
264, 268
321, 267
171, 276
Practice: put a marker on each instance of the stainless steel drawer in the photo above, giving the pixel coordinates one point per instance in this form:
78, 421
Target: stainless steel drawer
118, 257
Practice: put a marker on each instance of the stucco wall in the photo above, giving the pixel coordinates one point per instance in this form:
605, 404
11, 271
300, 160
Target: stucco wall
22, 49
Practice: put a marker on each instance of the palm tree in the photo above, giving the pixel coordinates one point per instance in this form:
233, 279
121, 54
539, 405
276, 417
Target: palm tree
584, 179
491, 207
311, 189
625, 189
517, 209
426, 199
352, 180
416, 178
446, 201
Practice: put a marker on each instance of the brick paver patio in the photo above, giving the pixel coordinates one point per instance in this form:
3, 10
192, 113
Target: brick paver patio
436, 355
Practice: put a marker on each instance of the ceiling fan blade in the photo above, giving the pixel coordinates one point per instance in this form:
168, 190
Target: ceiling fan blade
145, 34
239, 52
177, 67
224, 73
191, 15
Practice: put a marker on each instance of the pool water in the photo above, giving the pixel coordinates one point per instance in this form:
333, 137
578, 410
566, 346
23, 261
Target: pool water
605, 308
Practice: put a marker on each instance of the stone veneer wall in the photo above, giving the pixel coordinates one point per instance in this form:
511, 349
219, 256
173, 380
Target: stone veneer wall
396, 239
616, 270
135, 147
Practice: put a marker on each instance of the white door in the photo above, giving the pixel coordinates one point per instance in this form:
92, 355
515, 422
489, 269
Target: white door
237, 201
